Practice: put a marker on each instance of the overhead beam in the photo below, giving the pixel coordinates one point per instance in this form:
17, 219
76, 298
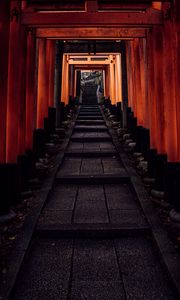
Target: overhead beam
91, 32
42, 19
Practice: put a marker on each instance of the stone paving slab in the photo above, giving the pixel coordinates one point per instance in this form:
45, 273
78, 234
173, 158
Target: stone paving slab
97, 290
127, 217
90, 135
90, 205
142, 273
90, 128
95, 260
62, 197
45, 274
119, 196
90, 122
90, 166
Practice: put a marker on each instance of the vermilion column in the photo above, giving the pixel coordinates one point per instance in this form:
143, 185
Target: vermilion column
22, 93
30, 89
151, 90
4, 36
107, 81
143, 77
42, 95
112, 80
137, 84
50, 62
65, 80
118, 78
171, 138
158, 88
129, 74
13, 85
132, 62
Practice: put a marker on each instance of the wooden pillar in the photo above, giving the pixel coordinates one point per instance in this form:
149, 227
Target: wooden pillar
158, 88
132, 62
71, 80
137, 83
42, 96
50, 62
65, 80
13, 84
151, 90
112, 80
143, 78
171, 137
4, 36
129, 74
22, 92
104, 82
75, 82
30, 89
118, 78
107, 81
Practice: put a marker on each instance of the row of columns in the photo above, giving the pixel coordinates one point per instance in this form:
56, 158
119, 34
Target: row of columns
153, 86
26, 82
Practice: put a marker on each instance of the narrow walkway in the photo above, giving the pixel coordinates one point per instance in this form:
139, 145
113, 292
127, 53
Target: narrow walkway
92, 240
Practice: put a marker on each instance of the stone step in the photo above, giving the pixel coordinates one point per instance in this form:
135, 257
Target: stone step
92, 153
90, 118
93, 179
90, 128
101, 231
89, 122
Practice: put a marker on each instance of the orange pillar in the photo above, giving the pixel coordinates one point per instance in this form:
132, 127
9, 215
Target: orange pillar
158, 88
30, 89
129, 74
50, 63
14, 85
4, 36
151, 90
22, 92
112, 80
42, 95
107, 80
143, 78
171, 138
137, 83
132, 62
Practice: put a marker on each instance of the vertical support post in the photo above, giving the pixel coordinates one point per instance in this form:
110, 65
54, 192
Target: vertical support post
107, 81
143, 77
151, 93
42, 97
50, 62
118, 78
13, 84
137, 82
65, 80
158, 88
4, 36
22, 92
112, 80
30, 89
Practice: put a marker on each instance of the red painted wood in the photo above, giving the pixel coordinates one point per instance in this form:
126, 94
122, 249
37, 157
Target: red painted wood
14, 86
22, 93
30, 90
169, 93
50, 63
4, 36
89, 18
151, 91
158, 89
42, 90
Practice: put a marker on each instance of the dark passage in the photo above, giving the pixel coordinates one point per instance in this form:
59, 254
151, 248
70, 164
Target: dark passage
92, 240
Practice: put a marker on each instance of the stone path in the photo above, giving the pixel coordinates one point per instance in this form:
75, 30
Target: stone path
92, 240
